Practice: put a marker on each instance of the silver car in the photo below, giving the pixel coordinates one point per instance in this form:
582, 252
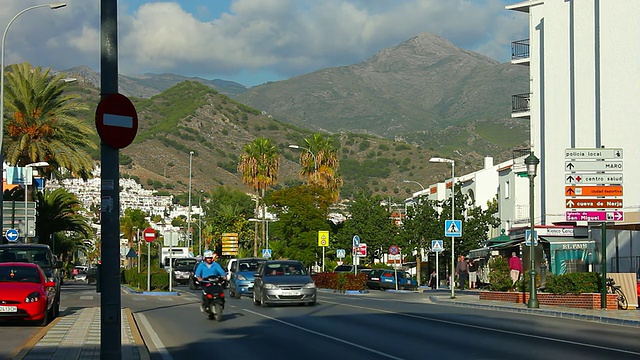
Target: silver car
283, 282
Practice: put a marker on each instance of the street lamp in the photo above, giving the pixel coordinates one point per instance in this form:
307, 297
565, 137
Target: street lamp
415, 182
26, 197
52, 6
189, 207
315, 161
532, 164
200, 222
453, 190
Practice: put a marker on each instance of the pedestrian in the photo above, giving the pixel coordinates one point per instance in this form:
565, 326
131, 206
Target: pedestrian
515, 267
473, 275
433, 280
462, 270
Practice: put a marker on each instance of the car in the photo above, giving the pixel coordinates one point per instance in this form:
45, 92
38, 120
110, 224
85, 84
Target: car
230, 265
41, 255
182, 269
241, 276
385, 279
283, 282
349, 268
194, 284
26, 294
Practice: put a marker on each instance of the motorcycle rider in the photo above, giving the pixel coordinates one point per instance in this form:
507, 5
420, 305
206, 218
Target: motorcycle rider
209, 267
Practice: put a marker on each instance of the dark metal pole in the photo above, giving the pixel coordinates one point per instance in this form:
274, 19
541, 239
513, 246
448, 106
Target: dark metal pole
533, 297
110, 302
603, 294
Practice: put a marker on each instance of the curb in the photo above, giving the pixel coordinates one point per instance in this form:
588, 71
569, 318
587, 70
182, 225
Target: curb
137, 337
24, 349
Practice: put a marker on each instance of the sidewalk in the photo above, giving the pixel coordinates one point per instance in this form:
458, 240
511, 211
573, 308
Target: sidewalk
76, 335
470, 298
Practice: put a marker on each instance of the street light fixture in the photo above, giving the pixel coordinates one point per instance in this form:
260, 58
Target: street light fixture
52, 6
415, 182
453, 191
189, 207
315, 161
200, 222
26, 197
532, 166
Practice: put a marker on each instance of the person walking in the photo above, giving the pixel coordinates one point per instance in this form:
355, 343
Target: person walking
432, 280
515, 267
473, 275
462, 271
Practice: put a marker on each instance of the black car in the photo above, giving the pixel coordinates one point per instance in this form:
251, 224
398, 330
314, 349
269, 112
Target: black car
193, 281
41, 255
183, 270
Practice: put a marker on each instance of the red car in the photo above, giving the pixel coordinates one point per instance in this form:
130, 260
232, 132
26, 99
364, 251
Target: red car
25, 293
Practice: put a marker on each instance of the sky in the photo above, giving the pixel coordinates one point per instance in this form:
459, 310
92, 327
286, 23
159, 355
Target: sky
250, 41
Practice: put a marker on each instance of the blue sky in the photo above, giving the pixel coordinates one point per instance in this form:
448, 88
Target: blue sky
251, 41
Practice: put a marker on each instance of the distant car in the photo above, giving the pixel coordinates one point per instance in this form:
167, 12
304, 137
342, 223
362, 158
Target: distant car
349, 268
385, 279
241, 276
183, 269
41, 255
283, 282
26, 294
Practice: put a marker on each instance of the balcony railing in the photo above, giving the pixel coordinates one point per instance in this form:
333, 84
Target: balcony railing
520, 49
520, 103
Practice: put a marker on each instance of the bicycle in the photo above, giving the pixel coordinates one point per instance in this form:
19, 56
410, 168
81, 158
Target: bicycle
612, 288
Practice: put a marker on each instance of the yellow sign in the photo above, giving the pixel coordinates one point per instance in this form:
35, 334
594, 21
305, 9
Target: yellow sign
230, 244
323, 238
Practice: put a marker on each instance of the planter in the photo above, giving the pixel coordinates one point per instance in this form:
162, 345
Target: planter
582, 301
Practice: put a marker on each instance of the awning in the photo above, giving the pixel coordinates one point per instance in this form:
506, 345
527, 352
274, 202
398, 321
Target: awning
479, 253
565, 239
506, 245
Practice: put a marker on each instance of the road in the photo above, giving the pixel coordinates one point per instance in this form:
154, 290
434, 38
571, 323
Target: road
378, 325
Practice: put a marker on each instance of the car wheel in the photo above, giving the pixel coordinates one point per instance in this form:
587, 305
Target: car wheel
231, 293
255, 299
236, 295
192, 285
262, 302
45, 319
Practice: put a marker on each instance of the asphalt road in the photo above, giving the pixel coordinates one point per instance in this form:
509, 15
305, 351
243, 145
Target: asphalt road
378, 325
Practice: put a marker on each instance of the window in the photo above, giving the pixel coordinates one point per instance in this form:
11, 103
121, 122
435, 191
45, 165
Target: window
505, 189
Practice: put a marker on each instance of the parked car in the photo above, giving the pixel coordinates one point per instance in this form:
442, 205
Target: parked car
183, 269
283, 282
349, 269
385, 279
41, 255
194, 284
241, 276
26, 294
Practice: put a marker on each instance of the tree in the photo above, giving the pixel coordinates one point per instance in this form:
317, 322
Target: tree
421, 225
41, 125
320, 164
133, 220
59, 211
302, 212
259, 169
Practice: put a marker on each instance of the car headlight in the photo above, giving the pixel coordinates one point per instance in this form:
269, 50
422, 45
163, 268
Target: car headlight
33, 297
310, 286
270, 287
242, 278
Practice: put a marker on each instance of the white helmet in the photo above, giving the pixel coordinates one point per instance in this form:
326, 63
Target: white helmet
208, 254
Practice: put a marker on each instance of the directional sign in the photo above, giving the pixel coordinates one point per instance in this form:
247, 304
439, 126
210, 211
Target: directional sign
593, 203
594, 216
584, 178
323, 238
116, 120
612, 190
453, 228
436, 246
587, 165
593, 153
12, 235
356, 240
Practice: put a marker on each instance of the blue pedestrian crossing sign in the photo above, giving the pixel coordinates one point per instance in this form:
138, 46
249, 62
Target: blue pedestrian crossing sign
453, 228
527, 238
437, 246
12, 235
266, 253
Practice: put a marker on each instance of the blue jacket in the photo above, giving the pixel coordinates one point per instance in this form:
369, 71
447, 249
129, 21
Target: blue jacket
205, 270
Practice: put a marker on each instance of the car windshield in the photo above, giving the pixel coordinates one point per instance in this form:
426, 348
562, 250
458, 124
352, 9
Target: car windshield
19, 274
185, 262
285, 269
32, 255
249, 265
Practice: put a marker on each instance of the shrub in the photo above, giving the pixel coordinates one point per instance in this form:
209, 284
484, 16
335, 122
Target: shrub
340, 282
159, 279
573, 283
499, 275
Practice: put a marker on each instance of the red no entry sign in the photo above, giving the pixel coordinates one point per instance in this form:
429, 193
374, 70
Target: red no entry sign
149, 234
116, 120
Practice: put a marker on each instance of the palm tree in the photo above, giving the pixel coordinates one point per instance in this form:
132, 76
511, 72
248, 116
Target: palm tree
41, 125
59, 211
259, 168
326, 175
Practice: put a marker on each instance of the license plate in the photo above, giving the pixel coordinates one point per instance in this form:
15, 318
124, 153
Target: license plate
8, 309
289, 293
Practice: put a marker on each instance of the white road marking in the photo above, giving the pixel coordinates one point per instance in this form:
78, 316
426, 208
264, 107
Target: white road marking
154, 337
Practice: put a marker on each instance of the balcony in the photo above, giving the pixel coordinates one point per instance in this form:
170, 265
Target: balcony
520, 105
520, 52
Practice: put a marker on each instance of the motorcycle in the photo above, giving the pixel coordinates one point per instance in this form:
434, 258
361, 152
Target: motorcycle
213, 296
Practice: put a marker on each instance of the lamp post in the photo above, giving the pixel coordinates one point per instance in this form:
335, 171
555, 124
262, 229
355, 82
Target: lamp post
532, 162
52, 6
453, 191
189, 206
200, 222
28, 177
315, 161
415, 182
